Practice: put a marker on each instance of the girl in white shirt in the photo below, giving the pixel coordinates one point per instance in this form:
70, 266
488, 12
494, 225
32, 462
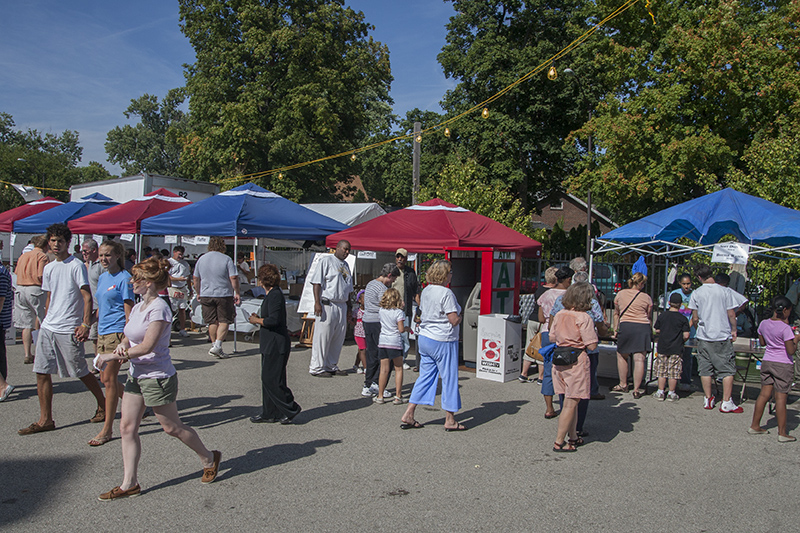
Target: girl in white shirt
390, 344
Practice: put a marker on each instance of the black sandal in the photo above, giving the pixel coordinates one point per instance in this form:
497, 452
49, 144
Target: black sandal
564, 447
576, 442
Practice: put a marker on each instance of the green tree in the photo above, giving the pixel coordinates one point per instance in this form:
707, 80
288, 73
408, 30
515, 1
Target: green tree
280, 83
46, 161
700, 99
491, 44
153, 145
464, 185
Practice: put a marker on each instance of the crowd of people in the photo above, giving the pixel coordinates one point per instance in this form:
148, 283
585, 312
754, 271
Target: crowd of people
129, 309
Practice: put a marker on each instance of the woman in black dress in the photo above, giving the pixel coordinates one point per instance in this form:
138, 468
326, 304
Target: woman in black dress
278, 403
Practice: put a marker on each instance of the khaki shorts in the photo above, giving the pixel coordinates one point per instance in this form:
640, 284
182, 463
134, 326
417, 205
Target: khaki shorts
218, 309
178, 297
779, 375
29, 303
155, 391
108, 343
59, 353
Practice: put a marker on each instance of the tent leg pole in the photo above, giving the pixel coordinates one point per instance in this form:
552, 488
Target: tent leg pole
235, 259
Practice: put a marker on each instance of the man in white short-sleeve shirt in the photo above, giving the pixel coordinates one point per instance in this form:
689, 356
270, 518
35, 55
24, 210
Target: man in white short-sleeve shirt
179, 274
713, 312
66, 326
332, 284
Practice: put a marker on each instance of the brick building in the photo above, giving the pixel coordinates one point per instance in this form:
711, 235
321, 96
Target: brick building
571, 210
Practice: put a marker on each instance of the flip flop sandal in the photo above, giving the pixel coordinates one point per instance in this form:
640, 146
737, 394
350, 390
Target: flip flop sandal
550, 416
576, 442
617, 388
100, 442
411, 425
457, 428
564, 447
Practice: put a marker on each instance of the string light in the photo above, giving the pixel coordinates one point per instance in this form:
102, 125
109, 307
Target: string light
418, 138
447, 132
353, 157
547, 64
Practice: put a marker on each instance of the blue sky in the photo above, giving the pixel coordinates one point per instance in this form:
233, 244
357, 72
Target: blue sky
77, 64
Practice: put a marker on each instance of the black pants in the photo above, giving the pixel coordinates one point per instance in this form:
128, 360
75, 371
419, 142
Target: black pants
372, 332
277, 399
3, 359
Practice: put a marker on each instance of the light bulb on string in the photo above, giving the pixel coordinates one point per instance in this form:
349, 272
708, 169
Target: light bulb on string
280, 175
552, 73
485, 112
447, 132
353, 157
418, 138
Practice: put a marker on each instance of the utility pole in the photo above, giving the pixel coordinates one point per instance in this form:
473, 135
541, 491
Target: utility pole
415, 170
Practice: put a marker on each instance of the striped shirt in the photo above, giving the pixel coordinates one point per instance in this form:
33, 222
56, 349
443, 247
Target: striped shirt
372, 300
6, 292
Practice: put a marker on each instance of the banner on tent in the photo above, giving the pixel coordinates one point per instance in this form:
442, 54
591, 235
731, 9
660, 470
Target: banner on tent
734, 253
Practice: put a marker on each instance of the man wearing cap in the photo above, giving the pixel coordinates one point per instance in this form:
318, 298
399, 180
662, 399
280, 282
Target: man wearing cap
407, 285
332, 284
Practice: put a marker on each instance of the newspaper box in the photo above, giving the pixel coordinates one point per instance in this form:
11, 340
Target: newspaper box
499, 348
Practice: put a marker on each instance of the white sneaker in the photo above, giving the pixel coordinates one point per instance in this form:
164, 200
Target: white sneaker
373, 389
659, 395
406, 366
366, 392
672, 397
217, 352
361, 370
183, 333
730, 407
387, 394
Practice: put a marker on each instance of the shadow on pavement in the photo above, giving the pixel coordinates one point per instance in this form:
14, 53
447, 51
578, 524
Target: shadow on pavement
487, 412
202, 412
330, 409
28, 486
253, 461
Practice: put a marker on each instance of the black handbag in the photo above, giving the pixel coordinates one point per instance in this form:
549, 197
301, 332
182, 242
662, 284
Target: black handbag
566, 355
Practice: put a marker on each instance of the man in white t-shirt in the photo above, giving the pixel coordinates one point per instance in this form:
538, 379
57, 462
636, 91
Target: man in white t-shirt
713, 313
179, 274
66, 326
216, 283
332, 284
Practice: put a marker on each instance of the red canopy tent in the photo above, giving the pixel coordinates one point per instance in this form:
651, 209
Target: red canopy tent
8, 218
434, 227
127, 217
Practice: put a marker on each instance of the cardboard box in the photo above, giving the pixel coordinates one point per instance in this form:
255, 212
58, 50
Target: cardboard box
499, 356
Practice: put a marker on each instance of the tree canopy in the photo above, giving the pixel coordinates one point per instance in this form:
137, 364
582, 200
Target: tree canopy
45, 161
153, 145
277, 83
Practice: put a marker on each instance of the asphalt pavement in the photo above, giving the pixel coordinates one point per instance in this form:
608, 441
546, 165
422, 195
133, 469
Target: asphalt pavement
345, 464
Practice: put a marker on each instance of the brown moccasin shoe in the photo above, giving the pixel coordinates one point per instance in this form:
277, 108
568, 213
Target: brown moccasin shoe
117, 493
99, 416
36, 428
210, 474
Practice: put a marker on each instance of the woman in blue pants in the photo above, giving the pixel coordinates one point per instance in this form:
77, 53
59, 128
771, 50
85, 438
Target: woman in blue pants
438, 349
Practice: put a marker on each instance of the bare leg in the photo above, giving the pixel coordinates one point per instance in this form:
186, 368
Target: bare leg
638, 370
548, 405
567, 420
383, 377
408, 416
113, 394
361, 357
44, 389
727, 388
132, 411
673, 384
622, 369
94, 387
222, 331
212, 332
450, 420
662, 382
398, 377
780, 412
526, 366
167, 416
761, 403
707, 381
27, 343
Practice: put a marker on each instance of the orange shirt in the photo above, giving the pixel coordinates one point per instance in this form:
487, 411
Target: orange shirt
638, 312
30, 267
572, 328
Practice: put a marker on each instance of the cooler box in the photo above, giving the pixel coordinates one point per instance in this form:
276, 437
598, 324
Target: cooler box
499, 354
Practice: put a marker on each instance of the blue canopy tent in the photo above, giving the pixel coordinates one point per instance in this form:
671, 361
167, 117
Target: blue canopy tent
87, 205
245, 211
766, 228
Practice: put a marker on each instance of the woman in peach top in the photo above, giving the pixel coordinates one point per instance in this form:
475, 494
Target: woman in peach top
573, 327
633, 309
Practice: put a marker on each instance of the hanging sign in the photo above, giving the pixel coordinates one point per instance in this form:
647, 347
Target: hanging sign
734, 253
